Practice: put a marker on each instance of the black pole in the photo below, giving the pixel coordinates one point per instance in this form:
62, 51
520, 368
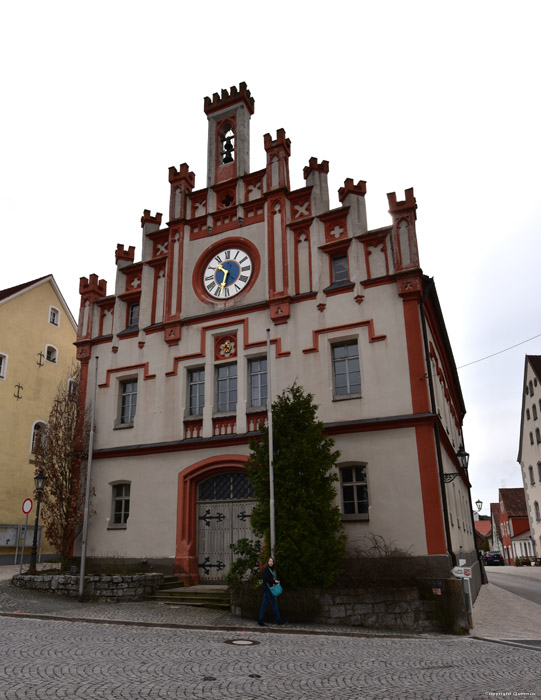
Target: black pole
33, 556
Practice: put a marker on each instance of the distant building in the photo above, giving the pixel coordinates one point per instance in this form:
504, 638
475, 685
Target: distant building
496, 529
514, 525
483, 534
529, 453
37, 335
183, 365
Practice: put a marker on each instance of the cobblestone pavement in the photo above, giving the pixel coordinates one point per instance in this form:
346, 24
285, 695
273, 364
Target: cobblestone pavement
42, 659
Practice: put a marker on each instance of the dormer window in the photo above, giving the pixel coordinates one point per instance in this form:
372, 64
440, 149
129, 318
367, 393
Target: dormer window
227, 145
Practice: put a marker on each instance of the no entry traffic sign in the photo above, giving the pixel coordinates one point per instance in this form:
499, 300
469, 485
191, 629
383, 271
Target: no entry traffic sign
27, 505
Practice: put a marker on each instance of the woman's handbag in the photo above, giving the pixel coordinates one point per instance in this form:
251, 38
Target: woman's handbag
276, 590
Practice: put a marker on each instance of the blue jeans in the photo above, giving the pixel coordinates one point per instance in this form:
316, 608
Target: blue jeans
269, 598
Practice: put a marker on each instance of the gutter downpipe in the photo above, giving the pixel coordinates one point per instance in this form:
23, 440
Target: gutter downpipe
436, 432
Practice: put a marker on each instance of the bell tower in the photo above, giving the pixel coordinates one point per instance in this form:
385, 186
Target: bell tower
228, 115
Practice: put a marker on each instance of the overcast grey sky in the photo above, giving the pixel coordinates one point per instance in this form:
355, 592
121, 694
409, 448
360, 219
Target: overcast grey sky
100, 98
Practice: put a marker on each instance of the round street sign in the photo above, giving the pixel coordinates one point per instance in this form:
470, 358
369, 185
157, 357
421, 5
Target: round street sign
27, 505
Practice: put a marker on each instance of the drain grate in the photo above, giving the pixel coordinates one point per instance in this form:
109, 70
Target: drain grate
241, 642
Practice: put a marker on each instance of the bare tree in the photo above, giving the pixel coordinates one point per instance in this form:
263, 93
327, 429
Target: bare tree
62, 453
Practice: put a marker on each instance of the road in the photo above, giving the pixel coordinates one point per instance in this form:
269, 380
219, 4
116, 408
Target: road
42, 659
522, 585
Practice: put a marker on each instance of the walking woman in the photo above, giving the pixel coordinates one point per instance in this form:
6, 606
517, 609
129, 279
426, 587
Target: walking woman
269, 579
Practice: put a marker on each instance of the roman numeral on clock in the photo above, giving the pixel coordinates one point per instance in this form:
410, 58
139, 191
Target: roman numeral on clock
243, 278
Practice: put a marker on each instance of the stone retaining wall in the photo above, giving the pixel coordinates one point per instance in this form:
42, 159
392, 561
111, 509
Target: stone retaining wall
109, 589
399, 609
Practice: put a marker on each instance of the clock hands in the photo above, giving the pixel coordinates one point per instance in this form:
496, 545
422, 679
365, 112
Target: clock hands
222, 284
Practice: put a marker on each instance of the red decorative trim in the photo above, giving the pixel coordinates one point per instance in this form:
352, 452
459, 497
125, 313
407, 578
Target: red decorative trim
321, 307
254, 212
104, 308
279, 310
192, 429
379, 281
172, 332
227, 425
186, 562
358, 299
253, 182
277, 342
225, 171
430, 490
301, 203
369, 324
344, 289
157, 270
198, 204
225, 347
127, 368
416, 356
199, 267
372, 241
147, 218
127, 336
225, 220
277, 200
335, 222
199, 228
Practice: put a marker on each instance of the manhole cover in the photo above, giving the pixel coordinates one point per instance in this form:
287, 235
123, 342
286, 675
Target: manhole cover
241, 642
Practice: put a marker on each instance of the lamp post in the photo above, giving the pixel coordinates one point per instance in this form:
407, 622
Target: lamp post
478, 505
39, 481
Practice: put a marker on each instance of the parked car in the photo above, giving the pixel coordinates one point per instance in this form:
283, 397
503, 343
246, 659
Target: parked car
494, 559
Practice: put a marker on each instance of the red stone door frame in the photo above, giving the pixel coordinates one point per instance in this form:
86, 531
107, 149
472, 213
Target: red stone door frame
186, 560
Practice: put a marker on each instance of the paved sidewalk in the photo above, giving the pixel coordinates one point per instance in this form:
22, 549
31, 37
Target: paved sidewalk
497, 614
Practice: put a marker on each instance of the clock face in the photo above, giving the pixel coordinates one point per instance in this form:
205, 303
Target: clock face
227, 273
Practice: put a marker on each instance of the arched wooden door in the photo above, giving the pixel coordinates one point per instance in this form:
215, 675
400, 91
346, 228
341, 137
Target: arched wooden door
224, 504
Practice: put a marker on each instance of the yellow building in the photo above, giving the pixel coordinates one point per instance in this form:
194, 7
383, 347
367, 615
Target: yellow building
37, 331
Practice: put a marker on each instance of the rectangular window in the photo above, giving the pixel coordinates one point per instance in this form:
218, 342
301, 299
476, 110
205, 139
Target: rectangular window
121, 504
226, 387
346, 369
128, 401
196, 391
257, 375
54, 316
339, 265
3, 366
354, 490
133, 315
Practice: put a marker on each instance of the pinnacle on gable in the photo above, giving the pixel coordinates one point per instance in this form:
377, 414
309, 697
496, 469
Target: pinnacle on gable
405, 205
280, 140
92, 284
123, 255
183, 174
349, 188
147, 218
314, 166
226, 99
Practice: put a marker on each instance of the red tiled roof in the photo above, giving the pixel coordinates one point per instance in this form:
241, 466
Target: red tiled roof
5, 293
495, 512
514, 502
483, 527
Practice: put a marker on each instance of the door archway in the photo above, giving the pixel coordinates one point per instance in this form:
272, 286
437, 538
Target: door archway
186, 555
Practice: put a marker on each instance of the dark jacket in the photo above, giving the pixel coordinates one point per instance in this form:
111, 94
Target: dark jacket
268, 578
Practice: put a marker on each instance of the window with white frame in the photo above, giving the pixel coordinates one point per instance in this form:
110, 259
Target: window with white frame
120, 505
257, 381
196, 391
38, 434
226, 388
354, 491
532, 480
128, 401
346, 369
54, 316
3, 365
51, 353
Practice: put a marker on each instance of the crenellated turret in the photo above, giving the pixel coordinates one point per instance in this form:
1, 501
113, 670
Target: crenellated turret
278, 153
182, 183
405, 251
315, 175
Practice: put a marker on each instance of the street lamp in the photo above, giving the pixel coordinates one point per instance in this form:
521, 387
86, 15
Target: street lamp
479, 505
39, 481
463, 457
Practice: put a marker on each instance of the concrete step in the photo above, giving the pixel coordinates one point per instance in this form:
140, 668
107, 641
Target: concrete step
211, 596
